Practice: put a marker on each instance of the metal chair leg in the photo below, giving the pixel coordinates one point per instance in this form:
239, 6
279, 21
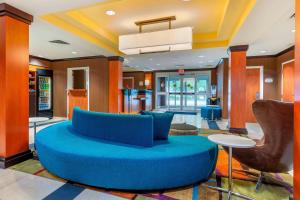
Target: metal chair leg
259, 182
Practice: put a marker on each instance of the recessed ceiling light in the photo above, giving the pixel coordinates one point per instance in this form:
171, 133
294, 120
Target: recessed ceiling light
293, 30
158, 64
74, 52
200, 62
200, 56
41, 56
110, 12
263, 51
150, 59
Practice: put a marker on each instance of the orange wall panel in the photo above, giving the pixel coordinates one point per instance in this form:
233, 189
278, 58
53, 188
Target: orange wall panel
115, 86
288, 89
297, 108
14, 111
238, 90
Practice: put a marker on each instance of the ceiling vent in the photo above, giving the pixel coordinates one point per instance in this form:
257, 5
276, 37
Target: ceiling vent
59, 42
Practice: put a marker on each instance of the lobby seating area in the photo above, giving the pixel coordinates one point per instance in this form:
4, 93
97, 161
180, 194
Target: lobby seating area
76, 150
148, 100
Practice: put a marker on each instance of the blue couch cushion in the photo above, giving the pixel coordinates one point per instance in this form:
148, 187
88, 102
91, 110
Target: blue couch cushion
161, 124
127, 129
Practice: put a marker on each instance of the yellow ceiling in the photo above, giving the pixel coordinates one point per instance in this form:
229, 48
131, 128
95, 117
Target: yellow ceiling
214, 22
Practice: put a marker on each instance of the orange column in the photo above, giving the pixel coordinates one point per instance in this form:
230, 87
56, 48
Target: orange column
14, 70
115, 84
237, 89
297, 107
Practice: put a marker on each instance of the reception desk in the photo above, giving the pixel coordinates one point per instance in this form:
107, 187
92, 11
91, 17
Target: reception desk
136, 100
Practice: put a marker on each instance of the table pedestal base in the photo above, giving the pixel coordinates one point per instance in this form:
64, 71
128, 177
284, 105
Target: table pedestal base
230, 193
229, 190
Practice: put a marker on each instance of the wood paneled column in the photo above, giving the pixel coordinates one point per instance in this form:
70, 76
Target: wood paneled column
14, 98
115, 84
237, 89
297, 107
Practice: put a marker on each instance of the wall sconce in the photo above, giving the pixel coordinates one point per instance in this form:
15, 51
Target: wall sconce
269, 80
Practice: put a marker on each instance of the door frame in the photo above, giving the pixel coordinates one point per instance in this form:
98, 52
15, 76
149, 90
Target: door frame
261, 82
281, 84
70, 83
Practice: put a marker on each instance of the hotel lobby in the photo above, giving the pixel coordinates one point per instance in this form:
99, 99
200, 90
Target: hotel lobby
148, 100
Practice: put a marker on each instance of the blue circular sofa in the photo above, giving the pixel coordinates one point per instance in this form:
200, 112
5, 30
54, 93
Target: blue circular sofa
69, 150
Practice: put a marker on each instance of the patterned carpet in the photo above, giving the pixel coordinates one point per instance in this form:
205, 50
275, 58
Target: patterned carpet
243, 183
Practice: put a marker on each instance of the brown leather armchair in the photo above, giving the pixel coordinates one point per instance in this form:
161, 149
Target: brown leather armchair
274, 152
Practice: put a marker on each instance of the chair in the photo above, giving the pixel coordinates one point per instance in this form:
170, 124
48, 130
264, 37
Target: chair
273, 153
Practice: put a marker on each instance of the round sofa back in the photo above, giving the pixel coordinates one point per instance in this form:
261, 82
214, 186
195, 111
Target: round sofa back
127, 129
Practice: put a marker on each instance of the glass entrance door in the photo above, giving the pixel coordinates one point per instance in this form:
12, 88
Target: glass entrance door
175, 92
188, 93
182, 92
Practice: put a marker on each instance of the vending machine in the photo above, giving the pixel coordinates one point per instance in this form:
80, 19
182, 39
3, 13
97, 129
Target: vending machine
45, 93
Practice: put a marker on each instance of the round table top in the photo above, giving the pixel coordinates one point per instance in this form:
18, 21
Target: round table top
38, 119
232, 141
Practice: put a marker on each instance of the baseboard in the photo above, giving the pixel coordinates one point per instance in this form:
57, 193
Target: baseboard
10, 161
238, 130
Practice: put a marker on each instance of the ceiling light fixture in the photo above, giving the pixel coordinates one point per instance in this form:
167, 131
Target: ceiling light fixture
164, 40
200, 56
157, 64
293, 30
110, 12
74, 52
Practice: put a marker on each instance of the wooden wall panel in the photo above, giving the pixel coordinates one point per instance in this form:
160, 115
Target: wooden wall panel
98, 68
297, 108
14, 99
287, 56
270, 71
214, 77
237, 90
252, 87
115, 86
77, 98
138, 76
149, 77
222, 83
288, 89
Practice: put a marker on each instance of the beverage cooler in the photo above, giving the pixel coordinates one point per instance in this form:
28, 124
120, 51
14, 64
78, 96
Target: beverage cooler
45, 93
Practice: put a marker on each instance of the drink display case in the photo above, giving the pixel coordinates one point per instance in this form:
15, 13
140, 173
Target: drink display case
45, 96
